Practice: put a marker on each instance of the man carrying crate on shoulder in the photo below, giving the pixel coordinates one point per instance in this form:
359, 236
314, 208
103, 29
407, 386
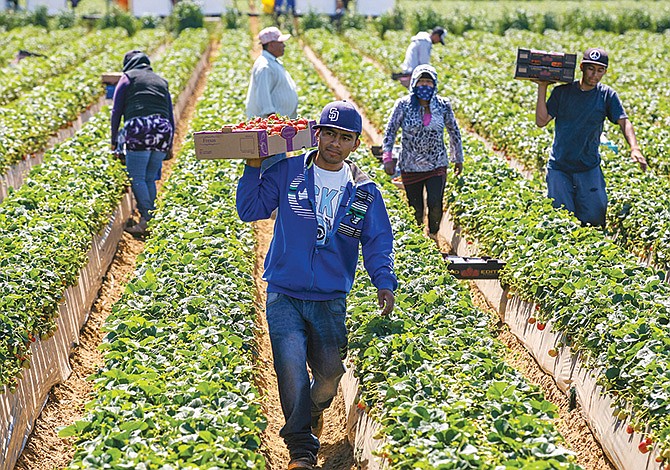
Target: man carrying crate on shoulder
326, 207
574, 178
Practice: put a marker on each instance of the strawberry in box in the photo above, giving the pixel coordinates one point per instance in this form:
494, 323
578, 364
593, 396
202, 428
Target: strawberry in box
259, 137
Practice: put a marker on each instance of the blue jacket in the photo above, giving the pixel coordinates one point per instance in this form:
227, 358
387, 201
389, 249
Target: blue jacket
294, 265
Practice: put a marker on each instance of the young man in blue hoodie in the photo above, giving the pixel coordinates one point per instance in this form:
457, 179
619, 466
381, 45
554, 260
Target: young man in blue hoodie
326, 207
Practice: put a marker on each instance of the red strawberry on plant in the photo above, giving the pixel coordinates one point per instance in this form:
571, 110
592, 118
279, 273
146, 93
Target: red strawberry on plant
643, 447
541, 326
532, 320
630, 429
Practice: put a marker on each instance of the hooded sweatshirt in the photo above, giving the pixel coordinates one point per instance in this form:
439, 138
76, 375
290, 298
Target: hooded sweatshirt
418, 52
295, 265
423, 147
140, 93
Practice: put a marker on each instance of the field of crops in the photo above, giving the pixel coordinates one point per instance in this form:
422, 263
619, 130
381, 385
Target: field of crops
182, 382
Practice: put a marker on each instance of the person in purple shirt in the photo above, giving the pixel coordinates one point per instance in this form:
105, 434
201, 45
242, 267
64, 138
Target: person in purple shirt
143, 99
574, 178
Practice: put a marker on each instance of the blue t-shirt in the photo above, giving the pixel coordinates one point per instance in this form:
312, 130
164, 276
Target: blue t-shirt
580, 116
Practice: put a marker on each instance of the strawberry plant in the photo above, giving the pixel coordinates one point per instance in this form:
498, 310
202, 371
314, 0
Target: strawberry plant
46, 226
34, 70
592, 290
176, 389
35, 39
27, 123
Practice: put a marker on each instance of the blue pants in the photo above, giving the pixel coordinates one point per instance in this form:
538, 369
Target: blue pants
143, 168
583, 194
306, 332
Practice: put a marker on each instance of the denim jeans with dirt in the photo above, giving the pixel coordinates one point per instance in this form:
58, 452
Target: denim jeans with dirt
306, 332
143, 167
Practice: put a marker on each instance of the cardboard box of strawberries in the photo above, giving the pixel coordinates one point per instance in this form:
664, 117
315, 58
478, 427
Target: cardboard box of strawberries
258, 137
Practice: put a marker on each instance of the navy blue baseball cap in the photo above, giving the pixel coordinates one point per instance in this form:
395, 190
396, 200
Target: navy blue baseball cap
596, 55
341, 115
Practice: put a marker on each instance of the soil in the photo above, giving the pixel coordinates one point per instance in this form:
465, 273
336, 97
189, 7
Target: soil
44, 450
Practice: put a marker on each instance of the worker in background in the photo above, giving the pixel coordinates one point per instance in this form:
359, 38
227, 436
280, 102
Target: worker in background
271, 88
419, 49
143, 100
574, 178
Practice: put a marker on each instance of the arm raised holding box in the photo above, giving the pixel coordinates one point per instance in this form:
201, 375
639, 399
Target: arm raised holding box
542, 116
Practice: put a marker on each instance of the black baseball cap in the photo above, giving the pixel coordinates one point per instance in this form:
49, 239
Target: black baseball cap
440, 32
595, 55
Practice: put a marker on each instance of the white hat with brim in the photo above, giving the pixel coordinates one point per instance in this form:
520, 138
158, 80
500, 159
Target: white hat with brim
271, 34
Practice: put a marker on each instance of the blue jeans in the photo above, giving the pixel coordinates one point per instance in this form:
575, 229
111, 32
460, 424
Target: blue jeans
143, 167
583, 194
306, 332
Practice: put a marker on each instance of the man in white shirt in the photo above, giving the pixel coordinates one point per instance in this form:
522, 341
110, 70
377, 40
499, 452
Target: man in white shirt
418, 51
271, 88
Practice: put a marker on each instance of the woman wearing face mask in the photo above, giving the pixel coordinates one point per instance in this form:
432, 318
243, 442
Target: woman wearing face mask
423, 117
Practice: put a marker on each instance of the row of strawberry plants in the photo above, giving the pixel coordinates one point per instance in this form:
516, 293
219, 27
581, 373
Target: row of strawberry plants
27, 123
432, 374
176, 389
34, 39
47, 224
29, 73
614, 310
638, 219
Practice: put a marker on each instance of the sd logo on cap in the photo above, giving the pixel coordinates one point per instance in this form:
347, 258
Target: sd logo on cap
341, 115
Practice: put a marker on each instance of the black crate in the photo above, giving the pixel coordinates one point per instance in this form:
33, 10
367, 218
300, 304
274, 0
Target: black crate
473, 268
546, 59
549, 74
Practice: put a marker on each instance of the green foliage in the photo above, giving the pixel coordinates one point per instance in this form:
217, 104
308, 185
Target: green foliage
65, 20
186, 14
313, 20
462, 20
352, 21
540, 22
634, 19
393, 21
517, 19
231, 18
10, 19
117, 18
40, 17
424, 19
150, 21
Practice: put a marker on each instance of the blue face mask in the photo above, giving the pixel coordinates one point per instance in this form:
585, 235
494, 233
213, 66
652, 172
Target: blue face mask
424, 92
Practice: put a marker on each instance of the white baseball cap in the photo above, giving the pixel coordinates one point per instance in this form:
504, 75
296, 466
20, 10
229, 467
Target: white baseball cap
272, 34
